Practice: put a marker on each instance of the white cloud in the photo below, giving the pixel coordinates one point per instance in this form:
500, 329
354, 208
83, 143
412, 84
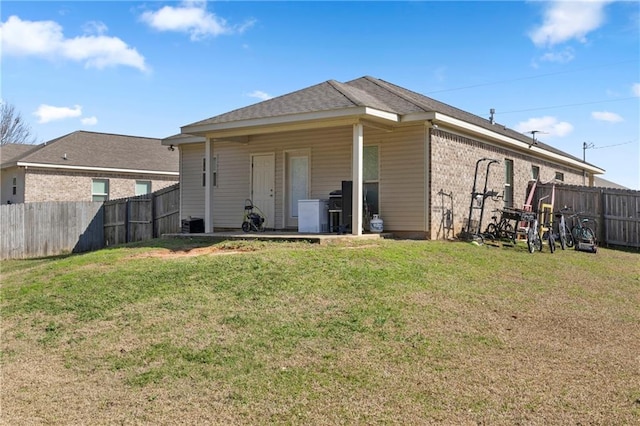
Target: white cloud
95, 27
567, 20
611, 117
548, 126
191, 17
260, 95
635, 89
46, 39
89, 121
47, 113
440, 73
564, 56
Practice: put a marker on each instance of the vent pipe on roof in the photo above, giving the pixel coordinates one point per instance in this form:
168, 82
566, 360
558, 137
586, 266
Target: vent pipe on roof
492, 111
64, 157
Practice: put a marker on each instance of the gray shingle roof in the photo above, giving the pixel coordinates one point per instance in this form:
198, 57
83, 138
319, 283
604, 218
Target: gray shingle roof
364, 91
104, 150
10, 152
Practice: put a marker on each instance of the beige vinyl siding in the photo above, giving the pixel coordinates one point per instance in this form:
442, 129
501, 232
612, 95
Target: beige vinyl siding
330, 164
234, 170
191, 189
402, 177
7, 176
401, 172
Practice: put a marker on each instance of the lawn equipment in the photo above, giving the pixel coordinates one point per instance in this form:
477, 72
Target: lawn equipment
254, 219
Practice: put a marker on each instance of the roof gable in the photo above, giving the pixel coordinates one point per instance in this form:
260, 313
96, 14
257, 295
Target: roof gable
362, 92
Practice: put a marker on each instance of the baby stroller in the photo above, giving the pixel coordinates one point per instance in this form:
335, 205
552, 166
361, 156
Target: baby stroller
253, 218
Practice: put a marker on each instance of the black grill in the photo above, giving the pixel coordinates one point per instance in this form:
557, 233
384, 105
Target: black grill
335, 201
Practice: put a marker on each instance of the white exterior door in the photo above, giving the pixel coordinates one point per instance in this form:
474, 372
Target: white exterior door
263, 175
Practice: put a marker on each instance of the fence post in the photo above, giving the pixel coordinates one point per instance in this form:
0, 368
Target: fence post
603, 215
154, 228
126, 220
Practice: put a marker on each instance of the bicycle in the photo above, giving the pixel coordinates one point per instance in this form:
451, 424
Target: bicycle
584, 237
562, 231
502, 229
534, 242
539, 230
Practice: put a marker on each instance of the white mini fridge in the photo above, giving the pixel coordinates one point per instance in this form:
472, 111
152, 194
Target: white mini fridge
313, 216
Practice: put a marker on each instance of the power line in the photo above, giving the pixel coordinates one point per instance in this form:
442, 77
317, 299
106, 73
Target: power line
493, 83
569, 105
609, 146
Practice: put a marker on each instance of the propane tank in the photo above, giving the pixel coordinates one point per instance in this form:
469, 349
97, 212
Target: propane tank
375, 225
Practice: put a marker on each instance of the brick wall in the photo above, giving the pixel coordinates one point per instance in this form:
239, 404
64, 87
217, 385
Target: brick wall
453, 160
56, 185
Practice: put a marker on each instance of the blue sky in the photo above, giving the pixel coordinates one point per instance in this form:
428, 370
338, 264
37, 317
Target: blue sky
570, 70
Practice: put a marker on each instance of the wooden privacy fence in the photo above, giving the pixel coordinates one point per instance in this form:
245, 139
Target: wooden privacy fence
143, 217
50, 228
53, 228
616, 212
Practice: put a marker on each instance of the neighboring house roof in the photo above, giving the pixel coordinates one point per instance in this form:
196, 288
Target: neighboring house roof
11, 152
98, 151
363, 96
603, 183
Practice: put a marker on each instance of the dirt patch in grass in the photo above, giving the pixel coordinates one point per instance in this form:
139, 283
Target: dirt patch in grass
188, 252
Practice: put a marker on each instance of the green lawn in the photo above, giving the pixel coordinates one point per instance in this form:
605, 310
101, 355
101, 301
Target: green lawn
383, 331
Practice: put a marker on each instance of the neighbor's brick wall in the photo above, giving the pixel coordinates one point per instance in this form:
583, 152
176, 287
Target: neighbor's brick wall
56, 185
453, 160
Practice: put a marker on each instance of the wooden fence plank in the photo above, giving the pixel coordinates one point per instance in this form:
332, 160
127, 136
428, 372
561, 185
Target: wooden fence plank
614, 213
49, 228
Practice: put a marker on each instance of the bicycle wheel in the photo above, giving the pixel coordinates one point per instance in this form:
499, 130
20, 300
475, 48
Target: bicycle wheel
588, 234
538, 242
246, 226
531, 236
491, 231
507, 232
570, 240
576, 233
562, 236
552, 242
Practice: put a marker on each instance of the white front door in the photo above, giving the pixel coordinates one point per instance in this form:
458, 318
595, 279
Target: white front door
263, 174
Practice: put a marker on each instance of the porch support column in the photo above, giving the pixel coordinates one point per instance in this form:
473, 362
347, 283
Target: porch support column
356, 168
208, 188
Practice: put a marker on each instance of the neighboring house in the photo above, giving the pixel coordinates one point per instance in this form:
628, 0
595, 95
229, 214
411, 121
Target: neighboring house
603, 183
85, 166
412, 157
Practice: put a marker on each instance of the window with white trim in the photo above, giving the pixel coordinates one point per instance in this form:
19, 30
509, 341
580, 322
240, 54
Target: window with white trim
371, 178
508, 182
535, 172
100, 189
214, 171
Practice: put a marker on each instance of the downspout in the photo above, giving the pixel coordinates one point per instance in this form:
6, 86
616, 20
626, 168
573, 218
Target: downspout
427, 178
